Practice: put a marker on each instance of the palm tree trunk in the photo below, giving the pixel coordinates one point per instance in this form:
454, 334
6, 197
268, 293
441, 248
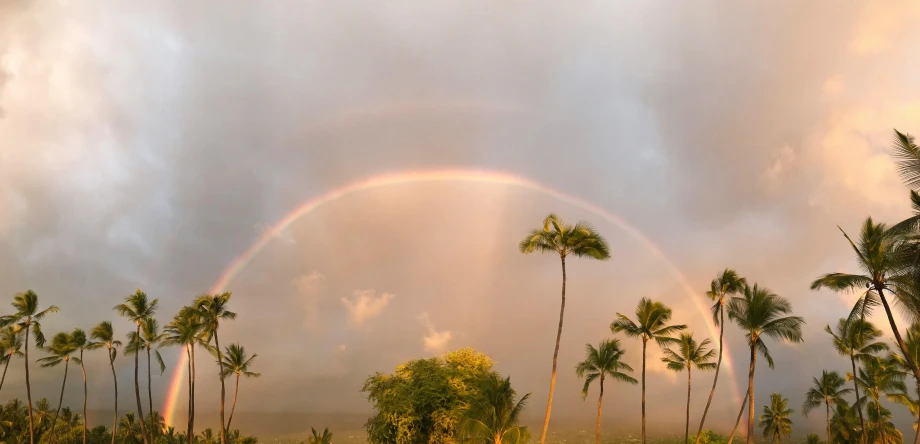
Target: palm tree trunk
687, 424
881, 427
862, 421
9, 358
738, 421
644, 345
897, 335
83, 369
715, 379
552, 380
153, 431
28, 384
60, 402
827, 403
600, 399
750, 428
137, 389
237, 390
191, 414
115, 381
917, 434
220, 365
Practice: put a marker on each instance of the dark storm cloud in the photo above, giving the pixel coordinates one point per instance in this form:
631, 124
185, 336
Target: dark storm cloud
147, 146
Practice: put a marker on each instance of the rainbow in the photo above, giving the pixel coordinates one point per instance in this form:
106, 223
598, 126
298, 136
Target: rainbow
441, 175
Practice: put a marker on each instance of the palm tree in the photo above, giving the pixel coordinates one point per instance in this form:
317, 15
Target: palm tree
325, 438
775, 419
881, 430
579, 240
880, 377
136, 309
149, 338
213, 310
27, 320
725, 284
130, 429
813, 438
651, 323
237, 363
857, 338
104, 335
186, 330
601, 362
912, 341
207, 437
759, 312
689, 354
829, 389
61, 348
11, 344
43, 413
79, 341
877, 254
494, 418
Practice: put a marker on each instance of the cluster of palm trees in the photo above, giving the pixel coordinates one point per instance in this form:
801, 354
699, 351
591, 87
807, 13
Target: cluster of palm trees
195, 326
890, 260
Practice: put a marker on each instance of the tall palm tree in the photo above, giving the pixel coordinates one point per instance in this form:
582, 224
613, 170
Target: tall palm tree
828, 389
858, 339
912, 341
776, 419
689, 354
725, 284
104, 335
579, 240
494, 418
27, 318
600, 363
877, 254
149, 338
213, 309
325, 438
186, 329
61, 348
651, 323
237, 363
136, 308
79, 341
759, 312
11, 344
880, 377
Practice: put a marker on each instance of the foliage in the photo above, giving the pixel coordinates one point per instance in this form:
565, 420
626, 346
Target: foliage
325, 438
709, 437
603, 362
813, 439
493, 418
776, 420
828, 389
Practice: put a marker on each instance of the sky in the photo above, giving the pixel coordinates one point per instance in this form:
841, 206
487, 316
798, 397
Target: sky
149, 145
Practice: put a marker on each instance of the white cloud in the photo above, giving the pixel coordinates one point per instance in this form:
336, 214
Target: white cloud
366, 305
434, 341
308, 288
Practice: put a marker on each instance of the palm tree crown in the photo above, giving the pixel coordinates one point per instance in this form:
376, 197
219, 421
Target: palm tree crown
824, 390
689, 354
651, 323
495, 418
604, 362
759, 312
776, 418
556, 236
237, 362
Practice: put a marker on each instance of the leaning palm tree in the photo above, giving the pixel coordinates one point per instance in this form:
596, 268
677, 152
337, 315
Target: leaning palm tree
826, 390
213, 309
79, 341
136, 309
878, 255
27, 320
11, 344
602, 362
186, 330
689, 354
237, 363
651, 324
579, 240
325, 438
104, 335
858, 339
759, 312
912, 341
61, 348
494, 418
725, 284
880, 377
775, 419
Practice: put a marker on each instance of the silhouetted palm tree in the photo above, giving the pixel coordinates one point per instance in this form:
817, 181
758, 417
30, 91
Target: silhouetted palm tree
61, 348
651, 324
11, 344
136, 309
600, 363
186, 329
130, 429
149, 340
880, 377
80, 342
776, 419
237, 363
104, 335
759, 312
828, 389
213, 309
689, 354
26, 320
881, 430
325, 438
579, 240
725, 284
494, 417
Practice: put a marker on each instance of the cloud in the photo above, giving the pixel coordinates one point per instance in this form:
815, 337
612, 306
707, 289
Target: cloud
308, 289
434, 341
365, 305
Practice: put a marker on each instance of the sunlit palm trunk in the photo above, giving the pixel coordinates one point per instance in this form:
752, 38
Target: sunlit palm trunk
827, 403
137, 389
29, 384
917, 433
644, 346
738, 420
9, 358
115, 381
236, 390
897, 335
715, 378
862, 421
60, 401
687, 424
881, 427
83, 369
750, 427
552, 380
600, 399
220, 365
